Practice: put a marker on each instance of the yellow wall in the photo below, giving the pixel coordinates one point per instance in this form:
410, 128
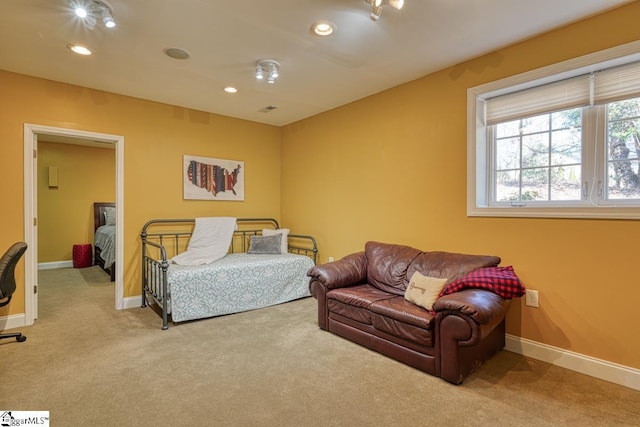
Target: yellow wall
392, 167
156, 136
65, 213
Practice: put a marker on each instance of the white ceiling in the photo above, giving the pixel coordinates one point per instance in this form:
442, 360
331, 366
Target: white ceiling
226, 38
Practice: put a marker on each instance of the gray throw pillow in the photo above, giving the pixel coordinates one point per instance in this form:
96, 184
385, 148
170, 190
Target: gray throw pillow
109, 216
265, 244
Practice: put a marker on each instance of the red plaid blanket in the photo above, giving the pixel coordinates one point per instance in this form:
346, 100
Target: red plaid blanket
500, 280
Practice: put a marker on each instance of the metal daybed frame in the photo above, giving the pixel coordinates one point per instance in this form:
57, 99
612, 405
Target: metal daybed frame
169, 236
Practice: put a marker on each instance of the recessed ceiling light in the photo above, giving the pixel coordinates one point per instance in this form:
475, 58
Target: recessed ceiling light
79, 49
176, 53
322, 28
230, 89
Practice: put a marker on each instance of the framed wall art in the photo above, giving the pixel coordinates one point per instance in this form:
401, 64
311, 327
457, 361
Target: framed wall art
207, 178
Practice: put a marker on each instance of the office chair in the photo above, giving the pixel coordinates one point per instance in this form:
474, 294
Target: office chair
8, 281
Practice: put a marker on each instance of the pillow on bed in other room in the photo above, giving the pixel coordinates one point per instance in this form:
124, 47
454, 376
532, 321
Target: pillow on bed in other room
265, 244
282, 231
109, 216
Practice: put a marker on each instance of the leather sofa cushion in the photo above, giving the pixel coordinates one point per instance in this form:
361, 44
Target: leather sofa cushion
448, 265
387, 266
355, 302
400, 318
400, 309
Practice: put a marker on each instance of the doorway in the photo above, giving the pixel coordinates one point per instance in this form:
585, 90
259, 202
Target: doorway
31, 134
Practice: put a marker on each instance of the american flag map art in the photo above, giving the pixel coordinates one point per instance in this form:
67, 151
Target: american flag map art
213, 179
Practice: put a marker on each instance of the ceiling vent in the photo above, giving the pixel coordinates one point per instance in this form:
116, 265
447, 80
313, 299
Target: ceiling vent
267, 109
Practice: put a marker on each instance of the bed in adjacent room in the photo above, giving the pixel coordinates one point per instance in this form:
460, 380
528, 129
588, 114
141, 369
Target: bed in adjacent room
104, 243
259, 266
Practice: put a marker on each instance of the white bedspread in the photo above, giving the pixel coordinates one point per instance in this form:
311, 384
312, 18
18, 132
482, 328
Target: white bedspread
236, 283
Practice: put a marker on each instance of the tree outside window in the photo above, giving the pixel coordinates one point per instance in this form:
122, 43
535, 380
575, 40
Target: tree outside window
623, 135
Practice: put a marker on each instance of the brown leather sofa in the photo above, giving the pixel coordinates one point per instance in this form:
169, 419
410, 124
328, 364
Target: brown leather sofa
361, 298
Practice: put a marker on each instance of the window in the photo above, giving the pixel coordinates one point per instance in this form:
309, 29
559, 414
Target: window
563, 141
538, 158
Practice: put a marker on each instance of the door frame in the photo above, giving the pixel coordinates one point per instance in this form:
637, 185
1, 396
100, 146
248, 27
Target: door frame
31, 132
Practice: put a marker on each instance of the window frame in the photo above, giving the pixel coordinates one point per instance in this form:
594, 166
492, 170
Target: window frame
479, 152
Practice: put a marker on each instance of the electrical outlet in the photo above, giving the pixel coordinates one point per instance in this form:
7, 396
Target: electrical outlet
531, 298
330, 259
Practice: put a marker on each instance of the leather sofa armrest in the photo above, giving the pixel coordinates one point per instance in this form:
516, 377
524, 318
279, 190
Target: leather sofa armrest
344, 272
348, 271
482, 306
470, 327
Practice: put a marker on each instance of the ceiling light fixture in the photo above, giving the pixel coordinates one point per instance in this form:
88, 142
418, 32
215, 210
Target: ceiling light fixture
107, 19
81, 12
92, 10
376, 7
231, 89
267, 68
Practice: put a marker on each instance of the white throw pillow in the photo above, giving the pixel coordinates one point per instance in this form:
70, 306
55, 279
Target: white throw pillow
424, 290
284, 248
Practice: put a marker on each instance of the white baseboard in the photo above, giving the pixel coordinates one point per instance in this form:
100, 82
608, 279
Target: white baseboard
608, 371
52, 265
13, 321
132, 302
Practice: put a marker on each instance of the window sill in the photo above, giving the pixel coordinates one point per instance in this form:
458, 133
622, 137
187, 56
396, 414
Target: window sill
624, 213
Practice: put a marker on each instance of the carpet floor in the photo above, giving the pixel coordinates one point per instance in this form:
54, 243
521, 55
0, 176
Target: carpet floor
89, 364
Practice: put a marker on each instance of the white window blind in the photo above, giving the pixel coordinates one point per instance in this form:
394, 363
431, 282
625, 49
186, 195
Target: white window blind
603, 86
614, 84
561, 95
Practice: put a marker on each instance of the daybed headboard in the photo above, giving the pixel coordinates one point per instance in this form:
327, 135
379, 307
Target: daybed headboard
173, 235
98, 213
